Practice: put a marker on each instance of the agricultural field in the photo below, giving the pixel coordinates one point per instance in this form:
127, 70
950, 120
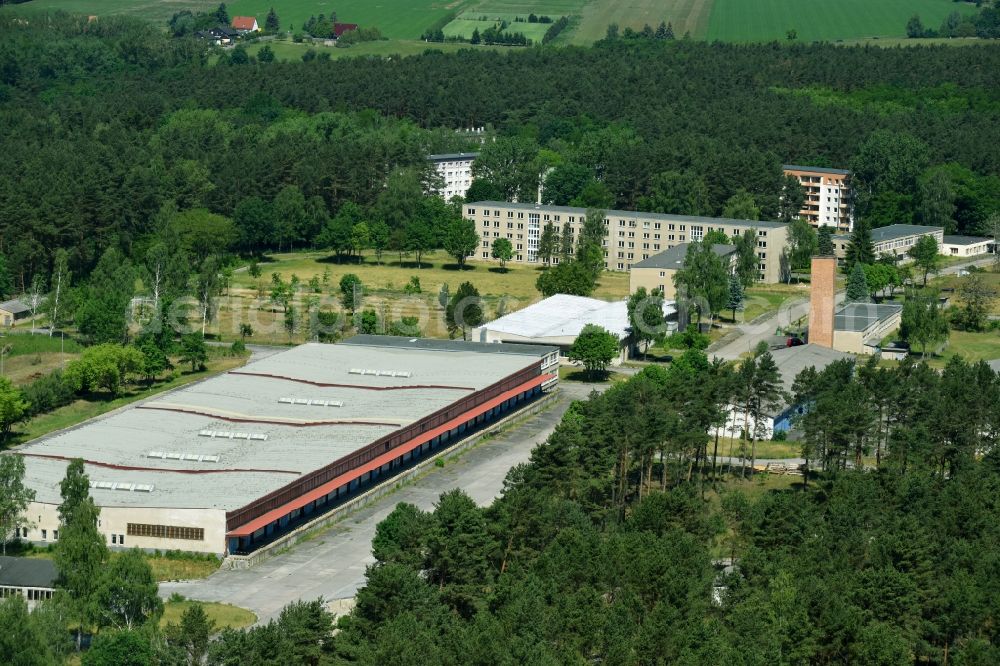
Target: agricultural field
763, 20
725, 20
687, 16
397, 19
464, 24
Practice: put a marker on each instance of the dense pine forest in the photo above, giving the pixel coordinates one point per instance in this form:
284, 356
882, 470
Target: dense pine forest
112, 129
611, 545
624, 540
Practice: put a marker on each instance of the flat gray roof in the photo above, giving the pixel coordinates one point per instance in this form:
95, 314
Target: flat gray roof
793, 360
449, 345
27, 572
894, 231
631, 214
230, 439
860, 316
449, 157
673, 258
796, 167
966, 240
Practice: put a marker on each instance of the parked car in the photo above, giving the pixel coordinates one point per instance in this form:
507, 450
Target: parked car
794, 341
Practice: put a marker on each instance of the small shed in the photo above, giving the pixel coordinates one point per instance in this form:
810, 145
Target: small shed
13, 311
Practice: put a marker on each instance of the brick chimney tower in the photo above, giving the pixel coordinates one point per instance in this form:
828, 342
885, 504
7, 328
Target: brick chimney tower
821, 300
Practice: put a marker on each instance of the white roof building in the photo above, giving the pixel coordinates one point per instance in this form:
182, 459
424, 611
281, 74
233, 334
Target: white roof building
559, 319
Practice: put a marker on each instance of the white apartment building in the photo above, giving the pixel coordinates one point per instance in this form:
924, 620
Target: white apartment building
456, 170
828, 196
631, 236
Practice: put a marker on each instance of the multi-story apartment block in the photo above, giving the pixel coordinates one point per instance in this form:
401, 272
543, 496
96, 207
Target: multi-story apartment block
631, 236
456, 170
828, 196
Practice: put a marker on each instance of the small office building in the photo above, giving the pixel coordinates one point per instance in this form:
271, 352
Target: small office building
967, 246
658, 271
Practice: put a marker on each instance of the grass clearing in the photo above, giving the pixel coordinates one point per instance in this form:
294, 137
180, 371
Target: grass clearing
169, 568
384, 291
164, 567
764, 299
766, 449
983, 346
765, 20
223, 615
81, 410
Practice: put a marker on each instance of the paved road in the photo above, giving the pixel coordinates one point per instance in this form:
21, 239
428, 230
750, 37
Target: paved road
792, 310
332, 565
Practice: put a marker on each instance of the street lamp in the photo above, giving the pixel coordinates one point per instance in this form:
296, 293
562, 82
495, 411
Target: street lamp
3, 353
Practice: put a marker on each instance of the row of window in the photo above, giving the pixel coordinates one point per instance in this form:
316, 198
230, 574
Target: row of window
166, 532
32, 594
696, 231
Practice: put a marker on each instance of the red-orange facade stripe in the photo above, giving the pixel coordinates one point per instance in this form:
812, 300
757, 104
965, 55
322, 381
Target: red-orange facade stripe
272, 516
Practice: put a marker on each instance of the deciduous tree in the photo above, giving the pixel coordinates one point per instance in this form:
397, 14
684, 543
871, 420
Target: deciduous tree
14, 495
925, 255
595, 348
465, 309
503, 251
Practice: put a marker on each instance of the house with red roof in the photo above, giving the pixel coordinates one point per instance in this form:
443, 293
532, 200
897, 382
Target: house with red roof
340, 28
245, 24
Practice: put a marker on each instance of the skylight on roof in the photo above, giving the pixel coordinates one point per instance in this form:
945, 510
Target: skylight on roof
314, 402
226, 434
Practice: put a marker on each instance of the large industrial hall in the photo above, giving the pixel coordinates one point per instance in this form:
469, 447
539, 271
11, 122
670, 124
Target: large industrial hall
228, 464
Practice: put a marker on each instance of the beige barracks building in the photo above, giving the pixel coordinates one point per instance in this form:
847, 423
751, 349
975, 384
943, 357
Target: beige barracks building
631, 236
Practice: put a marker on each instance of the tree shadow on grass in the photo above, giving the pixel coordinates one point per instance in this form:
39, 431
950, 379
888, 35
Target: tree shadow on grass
456, 267
341, 260
588, 377
497, 269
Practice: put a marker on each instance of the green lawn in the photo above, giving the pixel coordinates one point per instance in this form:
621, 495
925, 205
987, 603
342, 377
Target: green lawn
984, 346
81, 410
763, 20
764, 299
224, 615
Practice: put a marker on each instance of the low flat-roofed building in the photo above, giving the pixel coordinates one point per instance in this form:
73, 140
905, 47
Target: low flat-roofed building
456, 171
231, 462
657, 272
966, 246
895, 240
631, 236
858, 328
828, 199
33, 578
557, 321
790, 361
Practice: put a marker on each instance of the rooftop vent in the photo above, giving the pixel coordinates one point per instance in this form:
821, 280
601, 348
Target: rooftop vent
123, 486
225, 434
314, 402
